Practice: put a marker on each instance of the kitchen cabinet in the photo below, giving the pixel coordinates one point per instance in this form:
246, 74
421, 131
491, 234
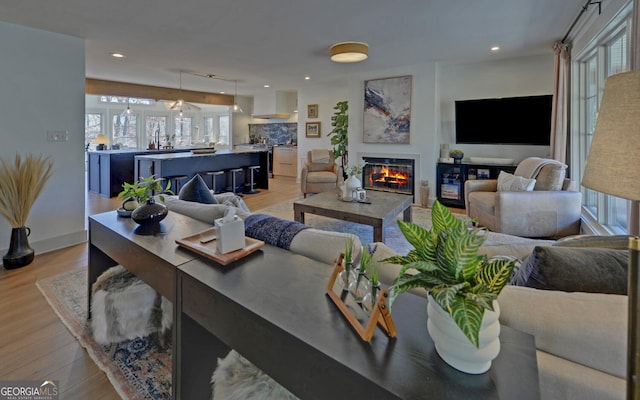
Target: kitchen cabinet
285, 161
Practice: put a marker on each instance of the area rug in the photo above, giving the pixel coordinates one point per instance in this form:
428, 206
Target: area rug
140, 368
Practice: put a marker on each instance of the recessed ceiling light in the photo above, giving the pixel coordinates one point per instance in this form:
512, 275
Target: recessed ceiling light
267, 85
306, 78
117, 55
221, 92
495, 48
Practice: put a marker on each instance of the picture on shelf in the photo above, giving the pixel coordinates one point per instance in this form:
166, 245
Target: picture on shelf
483, 173
450, 191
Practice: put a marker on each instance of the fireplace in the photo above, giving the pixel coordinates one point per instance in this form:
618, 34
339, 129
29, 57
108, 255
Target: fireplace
389, 175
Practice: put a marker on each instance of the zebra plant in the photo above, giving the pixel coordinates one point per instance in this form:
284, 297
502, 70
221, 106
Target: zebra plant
448, 266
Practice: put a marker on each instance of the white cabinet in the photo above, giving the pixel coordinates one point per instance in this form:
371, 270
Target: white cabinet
285, 161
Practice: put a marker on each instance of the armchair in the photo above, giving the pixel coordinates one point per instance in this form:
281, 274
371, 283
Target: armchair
319, 173
551, 210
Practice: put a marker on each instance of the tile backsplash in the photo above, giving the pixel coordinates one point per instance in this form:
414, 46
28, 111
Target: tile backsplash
278, 133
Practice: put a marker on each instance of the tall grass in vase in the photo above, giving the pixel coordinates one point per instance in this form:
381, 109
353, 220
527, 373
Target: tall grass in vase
21, 182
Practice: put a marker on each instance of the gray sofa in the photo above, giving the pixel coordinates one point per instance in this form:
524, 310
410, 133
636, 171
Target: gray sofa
580, 337
312, 243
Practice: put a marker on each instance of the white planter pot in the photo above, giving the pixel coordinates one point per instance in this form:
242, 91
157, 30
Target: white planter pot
455, 348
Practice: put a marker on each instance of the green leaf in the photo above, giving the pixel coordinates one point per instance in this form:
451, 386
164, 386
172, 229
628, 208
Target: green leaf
468, 316
447, 296
407, 282
495, 274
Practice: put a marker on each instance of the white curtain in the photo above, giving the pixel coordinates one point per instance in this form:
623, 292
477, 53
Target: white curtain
560, 109
634, 57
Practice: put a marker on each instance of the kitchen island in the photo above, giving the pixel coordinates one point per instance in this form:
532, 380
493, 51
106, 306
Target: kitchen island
189, 164
107, 170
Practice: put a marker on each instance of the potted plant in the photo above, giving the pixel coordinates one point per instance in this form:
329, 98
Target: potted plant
339, 134
20, 186
140, 195
462, 286
457, 155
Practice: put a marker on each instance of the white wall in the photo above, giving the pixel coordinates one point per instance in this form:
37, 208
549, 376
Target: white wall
524, 76
42, 88
434, 89
326, 98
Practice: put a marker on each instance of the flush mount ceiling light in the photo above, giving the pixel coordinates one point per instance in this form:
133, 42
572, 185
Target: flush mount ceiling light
349, 52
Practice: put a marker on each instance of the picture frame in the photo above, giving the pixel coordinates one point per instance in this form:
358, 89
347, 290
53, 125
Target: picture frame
387, 110
312, 111
312, 129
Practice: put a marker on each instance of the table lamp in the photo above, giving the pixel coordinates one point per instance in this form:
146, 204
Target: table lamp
101, 141
613, 167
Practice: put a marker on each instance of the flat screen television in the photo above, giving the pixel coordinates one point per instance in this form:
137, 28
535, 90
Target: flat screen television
507, 120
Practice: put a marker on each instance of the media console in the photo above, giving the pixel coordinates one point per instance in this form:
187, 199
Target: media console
450, 179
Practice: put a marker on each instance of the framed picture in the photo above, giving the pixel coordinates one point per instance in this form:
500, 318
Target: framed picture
313, 129
387, 110
312, 111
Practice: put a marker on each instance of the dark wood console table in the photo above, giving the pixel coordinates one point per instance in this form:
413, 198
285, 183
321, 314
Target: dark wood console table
271, 307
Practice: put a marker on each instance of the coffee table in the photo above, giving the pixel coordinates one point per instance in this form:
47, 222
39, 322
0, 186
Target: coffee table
383, 209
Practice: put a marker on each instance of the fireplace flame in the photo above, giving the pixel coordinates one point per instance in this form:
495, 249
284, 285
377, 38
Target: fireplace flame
387, 176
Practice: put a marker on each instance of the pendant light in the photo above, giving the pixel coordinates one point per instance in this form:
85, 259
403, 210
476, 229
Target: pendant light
236, 107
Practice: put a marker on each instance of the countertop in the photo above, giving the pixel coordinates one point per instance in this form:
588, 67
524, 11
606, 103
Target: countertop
174, 156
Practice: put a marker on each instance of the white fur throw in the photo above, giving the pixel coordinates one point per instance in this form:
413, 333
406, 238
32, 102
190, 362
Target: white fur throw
124, 308
236, 378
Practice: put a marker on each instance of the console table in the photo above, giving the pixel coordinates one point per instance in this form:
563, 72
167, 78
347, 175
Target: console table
272, 308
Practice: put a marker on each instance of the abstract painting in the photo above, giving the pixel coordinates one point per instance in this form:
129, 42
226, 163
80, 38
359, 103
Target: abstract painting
387, 110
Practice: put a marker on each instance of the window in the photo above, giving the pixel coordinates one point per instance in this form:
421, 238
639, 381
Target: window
125, 130
92, 126
182, 133
608, 56
155, 127
216, 130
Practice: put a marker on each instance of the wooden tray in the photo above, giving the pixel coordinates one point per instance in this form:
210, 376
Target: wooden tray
209, 250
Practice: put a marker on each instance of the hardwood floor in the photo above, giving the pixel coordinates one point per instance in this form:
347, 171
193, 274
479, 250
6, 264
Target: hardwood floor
35, 345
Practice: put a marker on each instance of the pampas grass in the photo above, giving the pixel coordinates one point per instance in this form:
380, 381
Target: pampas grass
20, 186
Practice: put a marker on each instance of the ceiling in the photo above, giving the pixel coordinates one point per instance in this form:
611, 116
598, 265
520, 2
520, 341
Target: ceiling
279, 42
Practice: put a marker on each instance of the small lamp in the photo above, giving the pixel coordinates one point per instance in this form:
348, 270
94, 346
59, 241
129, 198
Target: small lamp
101, 141
349, 52
613, 167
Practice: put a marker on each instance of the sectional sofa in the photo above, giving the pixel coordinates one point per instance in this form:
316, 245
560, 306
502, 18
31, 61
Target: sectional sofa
580, 337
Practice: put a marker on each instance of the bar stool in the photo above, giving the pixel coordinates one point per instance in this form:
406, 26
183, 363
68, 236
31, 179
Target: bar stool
251, 170
213, 175
234, 172
175, 181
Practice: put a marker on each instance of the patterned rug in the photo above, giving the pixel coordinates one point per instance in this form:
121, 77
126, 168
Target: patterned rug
140, 369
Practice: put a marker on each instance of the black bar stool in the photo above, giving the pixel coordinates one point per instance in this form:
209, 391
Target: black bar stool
213, 175
251, 170
234, 173
175, 181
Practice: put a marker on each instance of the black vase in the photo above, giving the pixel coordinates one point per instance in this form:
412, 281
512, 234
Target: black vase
19, 254
149, 213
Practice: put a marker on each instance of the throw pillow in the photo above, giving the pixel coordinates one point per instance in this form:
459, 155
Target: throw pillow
551, 177
511, 183
569, 269
196, 190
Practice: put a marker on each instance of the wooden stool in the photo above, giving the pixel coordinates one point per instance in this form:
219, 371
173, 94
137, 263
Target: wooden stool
234, 172
213, 175
123, 307
175, 185
251, 170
